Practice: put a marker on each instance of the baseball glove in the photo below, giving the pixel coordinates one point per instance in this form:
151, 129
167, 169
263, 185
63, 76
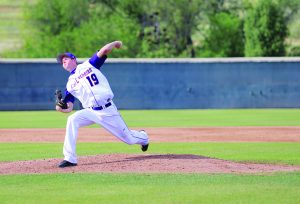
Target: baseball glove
59, 101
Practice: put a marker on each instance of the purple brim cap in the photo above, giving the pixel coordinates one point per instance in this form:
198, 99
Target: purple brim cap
66, 54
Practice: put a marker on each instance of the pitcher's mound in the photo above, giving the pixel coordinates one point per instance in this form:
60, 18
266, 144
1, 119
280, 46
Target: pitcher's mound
146, 163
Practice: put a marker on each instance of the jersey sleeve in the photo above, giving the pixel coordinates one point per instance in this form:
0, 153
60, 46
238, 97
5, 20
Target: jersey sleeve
69, 97
96, 61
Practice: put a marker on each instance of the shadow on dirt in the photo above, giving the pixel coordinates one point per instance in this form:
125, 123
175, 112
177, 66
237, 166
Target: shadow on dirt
136, 158
167, 156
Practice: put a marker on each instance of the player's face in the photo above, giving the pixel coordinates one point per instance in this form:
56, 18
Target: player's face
69, 64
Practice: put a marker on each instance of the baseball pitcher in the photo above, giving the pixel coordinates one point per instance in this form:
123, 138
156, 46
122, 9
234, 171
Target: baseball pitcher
87, 83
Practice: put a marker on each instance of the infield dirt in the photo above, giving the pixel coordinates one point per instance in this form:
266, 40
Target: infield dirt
151, 163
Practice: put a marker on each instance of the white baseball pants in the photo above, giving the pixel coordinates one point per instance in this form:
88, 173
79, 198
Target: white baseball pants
109, 118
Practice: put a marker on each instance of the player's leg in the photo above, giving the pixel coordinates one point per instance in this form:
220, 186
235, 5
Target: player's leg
111, 120
80, 118
116, 125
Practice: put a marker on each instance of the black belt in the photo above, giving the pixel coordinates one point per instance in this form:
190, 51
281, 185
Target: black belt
101, 107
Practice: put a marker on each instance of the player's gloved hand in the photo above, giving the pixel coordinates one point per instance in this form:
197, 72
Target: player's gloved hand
62, 104
59, 101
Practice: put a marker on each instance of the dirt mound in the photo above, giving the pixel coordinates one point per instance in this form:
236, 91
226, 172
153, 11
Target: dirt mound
146, 163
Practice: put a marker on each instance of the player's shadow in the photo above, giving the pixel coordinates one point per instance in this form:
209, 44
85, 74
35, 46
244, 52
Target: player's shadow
151, 157
166, 156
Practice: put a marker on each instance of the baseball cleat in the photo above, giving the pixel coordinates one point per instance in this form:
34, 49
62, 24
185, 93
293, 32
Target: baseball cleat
66, 163
144, 148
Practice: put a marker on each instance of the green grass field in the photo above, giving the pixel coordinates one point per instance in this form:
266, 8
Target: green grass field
163, 118
145, 189
157, 188
273, 153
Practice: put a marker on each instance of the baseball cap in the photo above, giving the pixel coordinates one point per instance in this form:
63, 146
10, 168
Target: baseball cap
66, 54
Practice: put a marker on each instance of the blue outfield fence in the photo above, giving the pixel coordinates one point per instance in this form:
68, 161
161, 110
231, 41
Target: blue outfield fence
162, 83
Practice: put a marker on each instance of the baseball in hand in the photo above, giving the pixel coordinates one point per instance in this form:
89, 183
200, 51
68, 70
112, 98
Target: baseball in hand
118, 44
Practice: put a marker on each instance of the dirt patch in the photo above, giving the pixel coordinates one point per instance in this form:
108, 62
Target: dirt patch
203, 134
151, 163
146, 163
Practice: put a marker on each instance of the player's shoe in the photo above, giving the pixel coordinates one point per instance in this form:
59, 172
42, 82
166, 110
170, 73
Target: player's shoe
144, 148
66, 163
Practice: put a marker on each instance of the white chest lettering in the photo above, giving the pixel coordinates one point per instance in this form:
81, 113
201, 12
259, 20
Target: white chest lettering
80, 76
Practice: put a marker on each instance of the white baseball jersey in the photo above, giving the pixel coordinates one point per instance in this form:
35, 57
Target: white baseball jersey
89, 85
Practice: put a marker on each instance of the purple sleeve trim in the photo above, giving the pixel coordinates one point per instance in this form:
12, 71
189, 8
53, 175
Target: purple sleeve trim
69, 97
96, 61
